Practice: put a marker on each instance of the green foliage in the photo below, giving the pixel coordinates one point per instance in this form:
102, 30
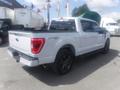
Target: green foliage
85, 12
92, 15
80, 10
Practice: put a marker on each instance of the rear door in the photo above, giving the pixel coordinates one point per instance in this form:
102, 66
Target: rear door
89, 36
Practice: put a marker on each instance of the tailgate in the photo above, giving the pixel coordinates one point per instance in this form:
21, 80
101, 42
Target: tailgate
21, 41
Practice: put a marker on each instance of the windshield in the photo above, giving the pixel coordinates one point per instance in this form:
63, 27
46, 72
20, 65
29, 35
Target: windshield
112, 24
63, 25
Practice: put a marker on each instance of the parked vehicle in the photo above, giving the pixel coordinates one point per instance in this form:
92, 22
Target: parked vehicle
18, 18
6, 20
6, 13
28, 18
65, 38
111, 25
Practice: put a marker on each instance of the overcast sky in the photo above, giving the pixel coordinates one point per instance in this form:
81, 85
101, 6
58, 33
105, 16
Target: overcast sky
109, 8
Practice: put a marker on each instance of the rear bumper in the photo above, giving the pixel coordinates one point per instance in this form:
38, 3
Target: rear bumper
22, 58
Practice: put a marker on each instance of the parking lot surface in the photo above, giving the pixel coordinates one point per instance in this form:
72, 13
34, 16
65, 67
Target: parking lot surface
95, 72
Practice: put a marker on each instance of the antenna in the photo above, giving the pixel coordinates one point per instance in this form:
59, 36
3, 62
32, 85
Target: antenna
58, 7
68, 7
48, 11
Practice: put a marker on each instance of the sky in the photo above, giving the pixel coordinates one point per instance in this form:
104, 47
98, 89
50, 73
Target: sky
106, 8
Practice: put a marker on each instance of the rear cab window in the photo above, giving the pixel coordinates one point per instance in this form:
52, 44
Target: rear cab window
63, 25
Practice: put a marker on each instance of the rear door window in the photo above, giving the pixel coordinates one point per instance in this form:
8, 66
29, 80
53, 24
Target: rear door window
88, 26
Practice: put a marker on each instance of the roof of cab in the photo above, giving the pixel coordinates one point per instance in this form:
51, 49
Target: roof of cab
75, 18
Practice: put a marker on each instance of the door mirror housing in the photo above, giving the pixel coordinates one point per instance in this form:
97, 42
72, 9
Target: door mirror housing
99, 30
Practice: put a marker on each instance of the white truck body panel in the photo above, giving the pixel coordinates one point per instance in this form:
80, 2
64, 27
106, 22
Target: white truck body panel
82, 42
111, 25
28, 18
6, 13
19, 44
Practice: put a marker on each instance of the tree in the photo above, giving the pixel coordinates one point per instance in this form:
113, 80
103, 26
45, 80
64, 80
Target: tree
85, 12
92, 15
80, 10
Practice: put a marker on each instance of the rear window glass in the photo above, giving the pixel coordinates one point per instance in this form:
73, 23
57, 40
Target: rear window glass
112, 24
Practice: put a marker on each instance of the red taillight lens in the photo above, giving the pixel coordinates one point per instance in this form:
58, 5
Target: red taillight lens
37, 45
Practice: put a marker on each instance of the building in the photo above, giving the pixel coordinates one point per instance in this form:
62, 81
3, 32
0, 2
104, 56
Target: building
10, 4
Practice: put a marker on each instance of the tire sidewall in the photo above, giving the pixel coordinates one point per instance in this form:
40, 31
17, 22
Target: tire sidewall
107, 46
1, 40
59, 56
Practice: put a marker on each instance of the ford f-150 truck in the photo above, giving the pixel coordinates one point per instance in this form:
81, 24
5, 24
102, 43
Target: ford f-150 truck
65, 38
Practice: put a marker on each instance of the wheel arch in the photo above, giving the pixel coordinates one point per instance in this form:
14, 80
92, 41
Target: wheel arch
69, 47
54, 65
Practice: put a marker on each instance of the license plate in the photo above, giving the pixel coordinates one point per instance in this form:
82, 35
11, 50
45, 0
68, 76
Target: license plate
24, 61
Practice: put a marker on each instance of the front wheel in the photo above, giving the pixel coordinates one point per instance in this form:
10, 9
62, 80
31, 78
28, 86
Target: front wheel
1, 40
106, 47
63, 62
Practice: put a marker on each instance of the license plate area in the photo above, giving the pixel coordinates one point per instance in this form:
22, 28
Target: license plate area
14, 54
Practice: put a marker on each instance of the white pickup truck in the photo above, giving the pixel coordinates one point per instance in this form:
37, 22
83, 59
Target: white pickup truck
65, 38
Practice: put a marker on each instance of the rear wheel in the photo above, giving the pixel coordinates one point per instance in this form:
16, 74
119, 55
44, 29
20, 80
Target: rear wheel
106, 47
63, 62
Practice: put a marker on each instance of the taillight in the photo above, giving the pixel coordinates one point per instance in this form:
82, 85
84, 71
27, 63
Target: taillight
37, 45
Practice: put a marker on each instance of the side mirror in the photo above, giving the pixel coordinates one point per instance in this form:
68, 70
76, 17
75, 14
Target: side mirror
100, 30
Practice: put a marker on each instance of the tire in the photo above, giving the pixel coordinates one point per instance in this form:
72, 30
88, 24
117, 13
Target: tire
63, 62
1, 40
106, 47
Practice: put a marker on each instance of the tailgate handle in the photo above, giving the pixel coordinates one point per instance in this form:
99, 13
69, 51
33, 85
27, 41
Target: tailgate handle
17, 34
